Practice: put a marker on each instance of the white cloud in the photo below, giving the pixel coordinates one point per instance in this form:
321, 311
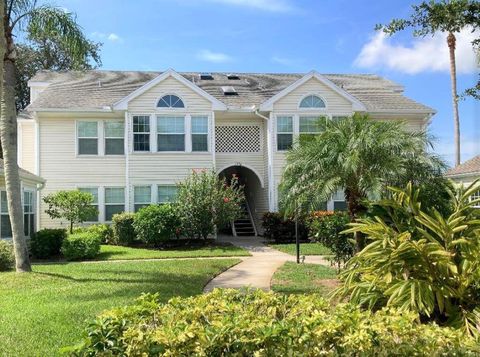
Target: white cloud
429, 54
283, 60
214, 57
113, 37
267, 5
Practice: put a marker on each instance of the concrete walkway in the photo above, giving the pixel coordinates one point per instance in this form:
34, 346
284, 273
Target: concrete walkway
255, 271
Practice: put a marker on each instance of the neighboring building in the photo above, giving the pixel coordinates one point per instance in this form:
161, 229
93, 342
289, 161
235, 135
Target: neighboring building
466, 173
30, 185
128, 137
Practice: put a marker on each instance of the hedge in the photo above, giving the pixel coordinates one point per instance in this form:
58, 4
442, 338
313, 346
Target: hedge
279, 229
155, 224
46, 243
78, 246
7, 259
231, 322
123, 231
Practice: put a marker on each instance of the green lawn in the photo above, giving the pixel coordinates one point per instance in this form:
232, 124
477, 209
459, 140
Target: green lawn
113, 252
45, 310
292, 278
305, 248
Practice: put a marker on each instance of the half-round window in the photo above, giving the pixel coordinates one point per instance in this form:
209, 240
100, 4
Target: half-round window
312, 101
170, 101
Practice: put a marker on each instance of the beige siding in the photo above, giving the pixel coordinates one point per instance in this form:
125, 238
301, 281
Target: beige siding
335, 102
63, 170
27, 159
146, 102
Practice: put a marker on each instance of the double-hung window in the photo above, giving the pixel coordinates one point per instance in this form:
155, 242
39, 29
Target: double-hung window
94, 192
28, 213
114, 138
166, 193
87, 133
5, 226
114, 201
339, 203
141, 133
309, 126
171, 133
142, 196
199, 133
475, 196
284, 132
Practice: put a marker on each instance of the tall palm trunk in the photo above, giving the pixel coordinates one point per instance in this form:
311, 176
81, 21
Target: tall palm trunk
8, 137
355, 208
451, 41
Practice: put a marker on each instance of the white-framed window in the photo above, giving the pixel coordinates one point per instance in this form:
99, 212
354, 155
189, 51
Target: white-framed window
170, 133
142, 196
312, 102
170, 101
28, 213
339, 203
199, 133
166, 193
114, 137
475, 196
5, 226
87, 138
94, 192
284, 132
309, 126
114, 201
141, 133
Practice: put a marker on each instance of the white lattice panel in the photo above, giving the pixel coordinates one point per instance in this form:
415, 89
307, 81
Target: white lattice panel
233, 138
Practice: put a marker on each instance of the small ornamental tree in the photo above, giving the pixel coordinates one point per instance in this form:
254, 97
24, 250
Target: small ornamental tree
206, 202
75, 206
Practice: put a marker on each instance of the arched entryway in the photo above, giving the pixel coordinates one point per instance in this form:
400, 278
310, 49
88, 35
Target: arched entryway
254, 191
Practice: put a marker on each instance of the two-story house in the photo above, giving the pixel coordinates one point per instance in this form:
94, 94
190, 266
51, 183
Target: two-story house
128, 137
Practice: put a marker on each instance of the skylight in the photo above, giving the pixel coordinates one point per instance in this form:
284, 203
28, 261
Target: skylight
233, 76
229, 90
206, 76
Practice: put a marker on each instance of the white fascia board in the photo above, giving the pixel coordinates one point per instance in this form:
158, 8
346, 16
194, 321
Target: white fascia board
123, 104
38, 84
356, 104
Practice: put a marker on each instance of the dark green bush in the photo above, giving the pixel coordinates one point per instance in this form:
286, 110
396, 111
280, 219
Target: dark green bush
123, 231
79, 246
47, 243
235, 323
156, 224
279, 229
7, 259
326, 228
104, 232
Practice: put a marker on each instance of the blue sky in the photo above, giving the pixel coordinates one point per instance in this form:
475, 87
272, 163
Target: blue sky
331, 36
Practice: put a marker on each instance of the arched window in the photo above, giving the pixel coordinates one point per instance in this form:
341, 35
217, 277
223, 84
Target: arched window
170, 101
312, 101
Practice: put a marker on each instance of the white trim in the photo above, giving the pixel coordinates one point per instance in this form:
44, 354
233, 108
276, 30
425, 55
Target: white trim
212, 142
270, 142
127, 159
240, 164
313, 108
356, 104
123, 103
19, 144
170, 109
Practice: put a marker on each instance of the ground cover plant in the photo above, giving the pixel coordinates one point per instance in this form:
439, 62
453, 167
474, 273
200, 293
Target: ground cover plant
47, 309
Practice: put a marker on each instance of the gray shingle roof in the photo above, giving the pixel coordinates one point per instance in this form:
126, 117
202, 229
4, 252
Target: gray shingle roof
471, 166
99, 89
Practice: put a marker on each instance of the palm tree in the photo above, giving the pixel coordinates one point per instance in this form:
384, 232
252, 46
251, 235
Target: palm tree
358, 155
446, 16
26, 15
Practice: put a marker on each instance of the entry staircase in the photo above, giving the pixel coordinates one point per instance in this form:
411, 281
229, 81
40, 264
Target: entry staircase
244, 225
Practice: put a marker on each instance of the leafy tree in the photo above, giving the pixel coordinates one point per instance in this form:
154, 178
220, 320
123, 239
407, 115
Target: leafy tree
206, 202
356, 154
27, 17
42, 52
447, 16
75, 206
420, 261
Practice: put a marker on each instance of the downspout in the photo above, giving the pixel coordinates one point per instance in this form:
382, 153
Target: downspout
127, 161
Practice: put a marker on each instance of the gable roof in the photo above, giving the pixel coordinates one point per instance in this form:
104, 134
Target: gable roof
356, 104
24, 174
123, 103
471, 166
101, 90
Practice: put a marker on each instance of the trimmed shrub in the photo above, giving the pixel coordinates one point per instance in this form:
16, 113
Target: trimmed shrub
282, 230
79, 246
155, 224
325, 227
47, 243
104, 232
256, 323
7, 259
123, 231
